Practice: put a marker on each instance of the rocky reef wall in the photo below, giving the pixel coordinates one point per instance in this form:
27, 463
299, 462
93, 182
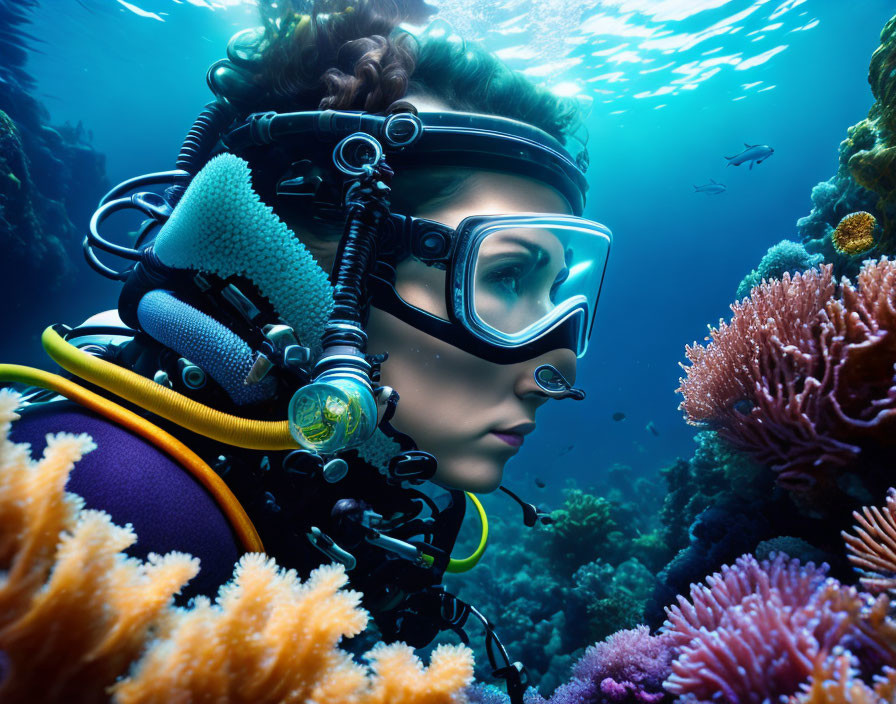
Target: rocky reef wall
51, 178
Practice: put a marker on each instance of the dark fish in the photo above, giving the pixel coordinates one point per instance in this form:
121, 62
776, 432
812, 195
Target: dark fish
568, 449
539, 482
743, 406
618, 415
651, 428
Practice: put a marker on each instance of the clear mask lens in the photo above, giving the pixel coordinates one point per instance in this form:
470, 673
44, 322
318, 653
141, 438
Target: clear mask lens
526, 278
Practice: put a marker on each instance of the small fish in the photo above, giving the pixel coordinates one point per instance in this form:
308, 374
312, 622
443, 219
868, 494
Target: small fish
14, 179
565, 451
539, 482
754, 153
618, 415
651, 428
713, 188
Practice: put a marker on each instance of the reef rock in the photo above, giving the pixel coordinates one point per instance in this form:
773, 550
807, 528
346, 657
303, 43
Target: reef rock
50, 177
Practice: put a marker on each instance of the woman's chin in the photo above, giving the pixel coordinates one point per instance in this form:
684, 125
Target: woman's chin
474, 474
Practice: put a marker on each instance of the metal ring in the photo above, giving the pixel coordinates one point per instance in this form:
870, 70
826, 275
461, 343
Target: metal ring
349, 158
402, 130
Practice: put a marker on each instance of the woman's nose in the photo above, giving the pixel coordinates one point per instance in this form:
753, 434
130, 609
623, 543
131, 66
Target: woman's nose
526, 386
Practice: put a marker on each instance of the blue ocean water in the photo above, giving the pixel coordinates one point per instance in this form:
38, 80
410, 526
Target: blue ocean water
673, 87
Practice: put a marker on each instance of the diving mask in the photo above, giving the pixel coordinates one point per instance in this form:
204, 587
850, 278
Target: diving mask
515, 286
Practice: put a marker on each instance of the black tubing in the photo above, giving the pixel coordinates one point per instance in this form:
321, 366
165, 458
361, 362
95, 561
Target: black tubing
200, 140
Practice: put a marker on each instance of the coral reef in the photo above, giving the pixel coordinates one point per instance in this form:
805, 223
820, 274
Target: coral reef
855, 233
755, 631
866, 176
549, 604
75, 613
786, 256
800, 379
721, 504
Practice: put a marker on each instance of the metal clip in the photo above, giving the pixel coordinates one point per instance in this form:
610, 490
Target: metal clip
328, 547
259, 370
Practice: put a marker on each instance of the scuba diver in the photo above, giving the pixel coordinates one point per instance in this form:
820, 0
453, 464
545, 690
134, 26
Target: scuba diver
340, 313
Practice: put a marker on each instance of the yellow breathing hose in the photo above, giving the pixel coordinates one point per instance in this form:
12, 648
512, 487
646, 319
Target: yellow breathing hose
189, 414
167, 403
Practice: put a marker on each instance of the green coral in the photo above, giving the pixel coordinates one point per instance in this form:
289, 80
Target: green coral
612, 598
581, 528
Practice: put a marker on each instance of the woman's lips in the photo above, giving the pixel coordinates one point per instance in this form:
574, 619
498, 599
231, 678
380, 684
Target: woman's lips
512, 439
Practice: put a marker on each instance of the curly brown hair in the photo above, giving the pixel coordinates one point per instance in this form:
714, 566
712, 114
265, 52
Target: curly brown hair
351, 55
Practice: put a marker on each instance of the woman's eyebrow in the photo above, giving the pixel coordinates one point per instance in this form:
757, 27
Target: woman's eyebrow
539, 253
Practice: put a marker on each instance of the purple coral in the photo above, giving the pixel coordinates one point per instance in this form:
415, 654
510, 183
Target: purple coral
763, 650
801, 379
756, 631
708, 604
629, 667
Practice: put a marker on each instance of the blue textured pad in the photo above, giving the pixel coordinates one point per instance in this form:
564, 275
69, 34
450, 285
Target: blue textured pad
217, 350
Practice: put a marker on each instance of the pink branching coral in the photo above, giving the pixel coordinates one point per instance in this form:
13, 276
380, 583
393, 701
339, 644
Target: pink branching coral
76, 614
801, 379
873, 548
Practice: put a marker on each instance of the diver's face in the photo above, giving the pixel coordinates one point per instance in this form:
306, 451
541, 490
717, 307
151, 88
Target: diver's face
473, 414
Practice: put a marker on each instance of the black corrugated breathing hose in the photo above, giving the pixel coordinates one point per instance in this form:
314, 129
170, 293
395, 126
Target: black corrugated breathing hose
199, 142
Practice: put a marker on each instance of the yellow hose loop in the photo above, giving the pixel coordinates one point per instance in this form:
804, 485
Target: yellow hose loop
167, 403
233, 510
468, 563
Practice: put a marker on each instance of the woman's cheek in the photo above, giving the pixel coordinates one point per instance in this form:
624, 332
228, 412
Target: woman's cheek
446, 401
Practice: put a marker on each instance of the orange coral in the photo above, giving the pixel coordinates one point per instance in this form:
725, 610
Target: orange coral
873, 548
75, 613
272, 638
834, 680
855, 233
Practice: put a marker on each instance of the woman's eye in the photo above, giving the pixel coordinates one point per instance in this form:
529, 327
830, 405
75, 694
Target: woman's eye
507, 279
